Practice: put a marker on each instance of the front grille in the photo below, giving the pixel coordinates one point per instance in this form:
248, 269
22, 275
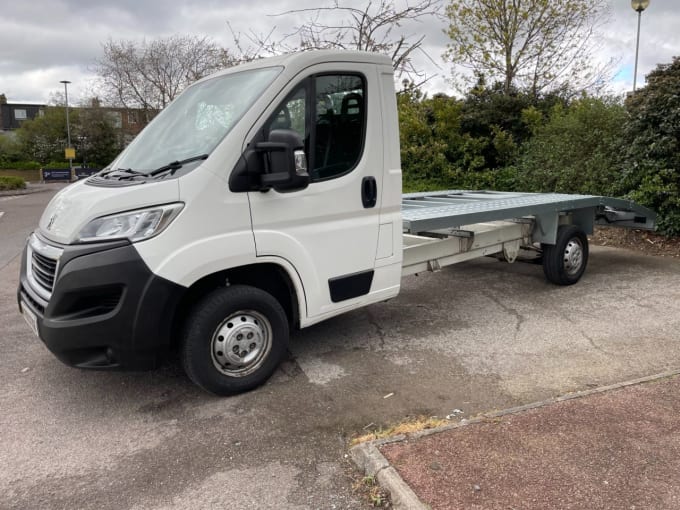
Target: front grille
37, 305
44, 270
42, 265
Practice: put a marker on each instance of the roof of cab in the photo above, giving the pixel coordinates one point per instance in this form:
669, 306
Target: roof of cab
303, 59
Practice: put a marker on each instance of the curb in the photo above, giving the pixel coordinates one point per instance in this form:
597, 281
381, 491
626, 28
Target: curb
368, 457
373, 463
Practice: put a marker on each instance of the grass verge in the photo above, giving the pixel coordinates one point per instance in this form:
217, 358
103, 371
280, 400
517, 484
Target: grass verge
10, 183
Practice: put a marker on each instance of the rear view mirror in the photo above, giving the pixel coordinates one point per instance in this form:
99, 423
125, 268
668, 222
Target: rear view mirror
285, 161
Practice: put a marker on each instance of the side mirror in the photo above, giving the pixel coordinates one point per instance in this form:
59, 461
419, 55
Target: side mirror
285, 161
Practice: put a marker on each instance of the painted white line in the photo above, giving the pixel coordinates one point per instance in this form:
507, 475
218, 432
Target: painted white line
1, 214
11, 197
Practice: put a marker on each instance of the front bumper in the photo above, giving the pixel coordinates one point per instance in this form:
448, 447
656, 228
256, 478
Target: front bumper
107, 310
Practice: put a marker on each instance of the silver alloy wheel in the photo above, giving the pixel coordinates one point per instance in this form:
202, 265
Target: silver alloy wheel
241, 343
573, 256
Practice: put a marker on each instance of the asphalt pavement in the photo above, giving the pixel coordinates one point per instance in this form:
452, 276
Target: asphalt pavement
478, 336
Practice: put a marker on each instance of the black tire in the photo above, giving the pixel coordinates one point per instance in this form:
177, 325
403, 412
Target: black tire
565, 262
233, 339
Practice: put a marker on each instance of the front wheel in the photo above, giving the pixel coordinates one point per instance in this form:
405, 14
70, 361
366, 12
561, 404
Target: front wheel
565, 262
234, 339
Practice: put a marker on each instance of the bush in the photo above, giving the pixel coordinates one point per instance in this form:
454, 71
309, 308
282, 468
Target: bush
9, 183
425, 160
652, 136
58, 165
579, 150
20, 165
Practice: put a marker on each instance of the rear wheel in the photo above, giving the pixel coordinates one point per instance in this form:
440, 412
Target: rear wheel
565, 262
234, 339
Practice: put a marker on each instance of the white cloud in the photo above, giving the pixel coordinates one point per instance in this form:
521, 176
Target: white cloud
45, 41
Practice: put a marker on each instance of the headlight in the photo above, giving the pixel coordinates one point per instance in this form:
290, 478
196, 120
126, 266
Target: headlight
133, 225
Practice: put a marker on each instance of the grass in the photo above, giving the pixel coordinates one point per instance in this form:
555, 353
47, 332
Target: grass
409, 426
10, 183
369, 489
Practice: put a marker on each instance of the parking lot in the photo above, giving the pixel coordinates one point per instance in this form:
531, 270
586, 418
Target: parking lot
477, 336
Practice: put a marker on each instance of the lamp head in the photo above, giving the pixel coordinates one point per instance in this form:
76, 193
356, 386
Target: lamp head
639, 5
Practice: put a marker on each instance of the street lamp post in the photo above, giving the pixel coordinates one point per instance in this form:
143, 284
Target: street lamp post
638, 6
68, 125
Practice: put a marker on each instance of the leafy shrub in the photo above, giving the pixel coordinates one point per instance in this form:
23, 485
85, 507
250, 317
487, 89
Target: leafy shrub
58, 165
10, 183
577, 151
19, 165
652, 136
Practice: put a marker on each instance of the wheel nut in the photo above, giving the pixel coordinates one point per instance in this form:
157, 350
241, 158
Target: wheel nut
250, 335
235, 349
252, 346
239, 337
243, 354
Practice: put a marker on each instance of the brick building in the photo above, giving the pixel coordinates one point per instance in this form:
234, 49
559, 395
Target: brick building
13, 114
129, 121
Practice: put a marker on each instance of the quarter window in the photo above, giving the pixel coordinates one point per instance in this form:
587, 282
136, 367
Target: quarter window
292, 114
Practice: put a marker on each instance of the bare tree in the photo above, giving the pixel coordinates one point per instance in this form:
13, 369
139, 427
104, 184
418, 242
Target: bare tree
378, 26
534, 44
149, 75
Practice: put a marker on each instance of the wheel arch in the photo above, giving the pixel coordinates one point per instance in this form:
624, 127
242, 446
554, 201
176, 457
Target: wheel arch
269, 276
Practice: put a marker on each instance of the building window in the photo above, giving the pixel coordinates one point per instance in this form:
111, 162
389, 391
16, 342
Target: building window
41, 113
20, 114
132, 117
116, 119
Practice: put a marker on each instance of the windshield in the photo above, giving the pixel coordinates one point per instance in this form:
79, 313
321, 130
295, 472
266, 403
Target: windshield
197, 120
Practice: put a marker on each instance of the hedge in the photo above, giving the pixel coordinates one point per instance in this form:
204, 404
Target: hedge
10, 183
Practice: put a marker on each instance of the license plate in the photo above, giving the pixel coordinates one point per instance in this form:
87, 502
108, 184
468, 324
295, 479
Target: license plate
30, 318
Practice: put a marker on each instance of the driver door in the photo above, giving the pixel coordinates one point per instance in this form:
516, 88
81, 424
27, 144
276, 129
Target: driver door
329, 230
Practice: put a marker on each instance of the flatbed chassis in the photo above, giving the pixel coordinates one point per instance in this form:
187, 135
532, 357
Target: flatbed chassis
448, 227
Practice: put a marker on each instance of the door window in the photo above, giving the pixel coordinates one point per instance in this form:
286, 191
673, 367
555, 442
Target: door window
339, 124
334, 132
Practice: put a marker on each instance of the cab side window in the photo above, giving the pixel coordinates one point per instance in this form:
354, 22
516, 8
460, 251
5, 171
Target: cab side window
329, 112
339, 124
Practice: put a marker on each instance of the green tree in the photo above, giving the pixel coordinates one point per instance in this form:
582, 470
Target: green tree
10, 150
578, 150
652, 136
43, 139
534, 44
99, 141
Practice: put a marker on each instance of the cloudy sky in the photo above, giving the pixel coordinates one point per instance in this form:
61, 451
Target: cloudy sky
45, 41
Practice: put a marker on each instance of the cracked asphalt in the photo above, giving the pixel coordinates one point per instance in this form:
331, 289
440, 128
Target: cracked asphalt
478, 336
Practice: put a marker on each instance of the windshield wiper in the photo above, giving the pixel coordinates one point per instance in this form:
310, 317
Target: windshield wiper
176, 165
128, 173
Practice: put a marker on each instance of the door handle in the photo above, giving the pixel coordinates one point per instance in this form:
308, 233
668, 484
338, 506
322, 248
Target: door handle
369, 192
